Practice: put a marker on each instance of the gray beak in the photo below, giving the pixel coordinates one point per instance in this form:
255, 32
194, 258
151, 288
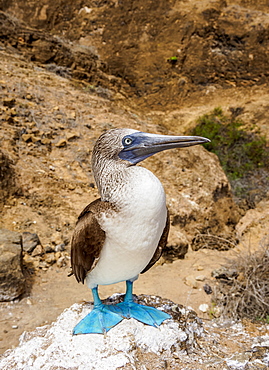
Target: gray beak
142, 145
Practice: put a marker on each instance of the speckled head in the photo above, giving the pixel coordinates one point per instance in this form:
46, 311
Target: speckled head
140, 145
133, 146
109, 145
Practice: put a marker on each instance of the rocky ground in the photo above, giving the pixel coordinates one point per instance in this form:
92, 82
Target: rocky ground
65, 78
182, 342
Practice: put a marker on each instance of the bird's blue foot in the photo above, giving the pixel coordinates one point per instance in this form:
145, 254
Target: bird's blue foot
99, 320
104, 317
145, 314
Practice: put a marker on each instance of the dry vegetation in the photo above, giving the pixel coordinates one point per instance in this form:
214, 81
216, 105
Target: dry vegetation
243, 290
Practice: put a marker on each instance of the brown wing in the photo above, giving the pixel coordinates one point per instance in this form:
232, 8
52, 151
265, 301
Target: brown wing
87, 241
161, 245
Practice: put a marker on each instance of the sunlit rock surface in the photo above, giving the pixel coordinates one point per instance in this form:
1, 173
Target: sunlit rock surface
127, 344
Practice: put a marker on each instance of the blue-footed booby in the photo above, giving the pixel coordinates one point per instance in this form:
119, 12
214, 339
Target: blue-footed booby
122, 234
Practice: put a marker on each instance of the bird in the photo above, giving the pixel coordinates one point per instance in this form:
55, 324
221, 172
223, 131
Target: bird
122, 233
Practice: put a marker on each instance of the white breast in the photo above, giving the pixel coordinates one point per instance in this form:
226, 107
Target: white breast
133, 233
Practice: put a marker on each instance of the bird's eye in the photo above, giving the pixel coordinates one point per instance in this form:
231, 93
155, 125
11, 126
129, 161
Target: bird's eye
127, 141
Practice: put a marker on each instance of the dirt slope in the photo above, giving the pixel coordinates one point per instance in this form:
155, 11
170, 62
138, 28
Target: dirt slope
213, 44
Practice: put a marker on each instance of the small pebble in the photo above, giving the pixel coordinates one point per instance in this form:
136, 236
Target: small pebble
190, 281
48, 249
14, 326
37, 251
200, 278
60, 247
61, 143
203, 307
207, 288
62, 261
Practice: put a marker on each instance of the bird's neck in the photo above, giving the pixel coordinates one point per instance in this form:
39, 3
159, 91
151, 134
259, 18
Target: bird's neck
123, 185
111, 178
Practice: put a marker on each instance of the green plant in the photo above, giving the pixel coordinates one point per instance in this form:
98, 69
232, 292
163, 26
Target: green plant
241, 153
173, 60
264, 320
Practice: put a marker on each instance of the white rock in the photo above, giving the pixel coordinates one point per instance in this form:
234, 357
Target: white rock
85, 10
54, 346
203, 307
200, 278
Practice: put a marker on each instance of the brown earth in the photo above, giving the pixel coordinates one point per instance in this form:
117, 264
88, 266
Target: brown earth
67, 74
217, 44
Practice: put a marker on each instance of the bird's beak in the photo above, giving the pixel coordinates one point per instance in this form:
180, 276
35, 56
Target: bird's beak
145, 145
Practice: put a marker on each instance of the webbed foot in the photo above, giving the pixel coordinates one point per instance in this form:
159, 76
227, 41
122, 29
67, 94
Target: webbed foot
145, 314
100, 320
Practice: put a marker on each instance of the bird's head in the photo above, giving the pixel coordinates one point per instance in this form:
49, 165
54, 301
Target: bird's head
132, 146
